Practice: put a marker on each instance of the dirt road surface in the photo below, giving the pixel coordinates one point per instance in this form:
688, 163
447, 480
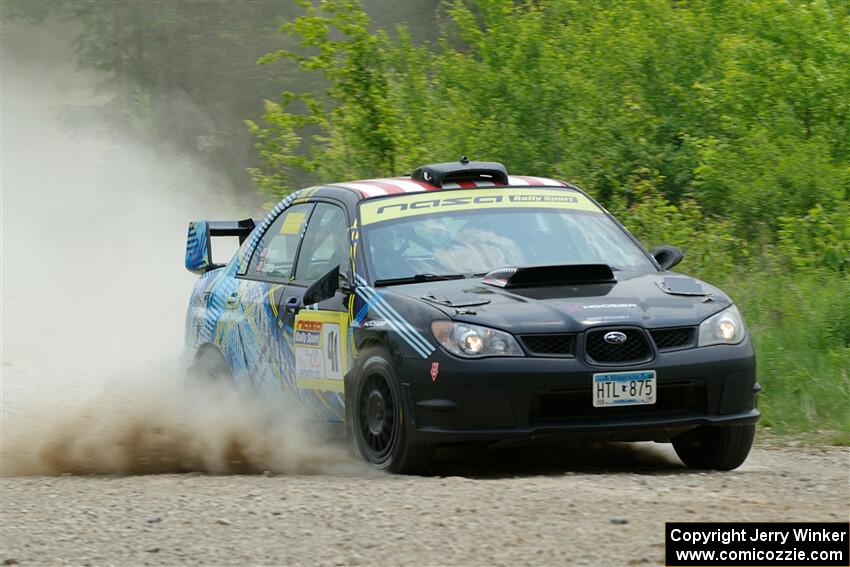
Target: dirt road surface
579, 506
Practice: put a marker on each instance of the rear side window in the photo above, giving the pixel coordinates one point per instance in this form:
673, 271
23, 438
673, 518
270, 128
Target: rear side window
275, 253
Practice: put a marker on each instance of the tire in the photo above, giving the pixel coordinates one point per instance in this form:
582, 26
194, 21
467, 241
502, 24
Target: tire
718, 448
376, 420
210, 367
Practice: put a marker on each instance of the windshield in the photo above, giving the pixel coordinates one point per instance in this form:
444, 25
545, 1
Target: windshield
476, 231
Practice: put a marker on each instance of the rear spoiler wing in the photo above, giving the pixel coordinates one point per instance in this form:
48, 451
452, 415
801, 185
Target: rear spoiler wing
198, 241
241, 228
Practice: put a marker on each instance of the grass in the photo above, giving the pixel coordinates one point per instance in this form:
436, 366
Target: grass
800, 325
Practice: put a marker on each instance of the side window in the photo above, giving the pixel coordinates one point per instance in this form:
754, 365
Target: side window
275, 252
326, 244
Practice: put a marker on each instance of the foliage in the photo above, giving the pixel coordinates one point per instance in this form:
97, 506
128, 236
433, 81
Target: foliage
738, 106
183, 74
721, 126
172, 74
801, 329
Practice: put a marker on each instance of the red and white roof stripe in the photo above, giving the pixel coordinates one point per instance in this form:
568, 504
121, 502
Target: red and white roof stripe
395, 185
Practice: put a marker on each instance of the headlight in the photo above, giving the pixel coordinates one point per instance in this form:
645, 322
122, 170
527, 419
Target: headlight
472, 341
726, 327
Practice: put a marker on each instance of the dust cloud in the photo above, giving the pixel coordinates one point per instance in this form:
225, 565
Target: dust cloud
150, 422
94, 292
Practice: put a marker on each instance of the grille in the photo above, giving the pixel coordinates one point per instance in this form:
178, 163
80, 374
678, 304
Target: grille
566, 403
634, 349
672, 338
549, 345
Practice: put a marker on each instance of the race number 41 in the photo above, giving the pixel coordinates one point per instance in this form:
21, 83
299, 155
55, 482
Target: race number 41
333, 354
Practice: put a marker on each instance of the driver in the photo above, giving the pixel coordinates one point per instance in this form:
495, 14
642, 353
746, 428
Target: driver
387, 259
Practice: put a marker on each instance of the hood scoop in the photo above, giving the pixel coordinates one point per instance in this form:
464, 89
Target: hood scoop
455, 300
568, 274
681, 286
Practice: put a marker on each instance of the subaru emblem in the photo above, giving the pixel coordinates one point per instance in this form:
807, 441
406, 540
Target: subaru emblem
615, 337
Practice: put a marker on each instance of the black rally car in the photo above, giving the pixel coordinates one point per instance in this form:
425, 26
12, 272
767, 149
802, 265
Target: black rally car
462, 304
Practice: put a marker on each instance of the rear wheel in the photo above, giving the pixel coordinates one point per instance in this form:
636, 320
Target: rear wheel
210, 367
376, 418
720, 448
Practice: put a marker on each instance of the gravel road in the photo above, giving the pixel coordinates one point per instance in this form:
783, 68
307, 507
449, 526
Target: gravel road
544, 508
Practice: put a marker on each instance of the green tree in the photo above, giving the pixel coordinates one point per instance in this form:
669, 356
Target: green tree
722, 126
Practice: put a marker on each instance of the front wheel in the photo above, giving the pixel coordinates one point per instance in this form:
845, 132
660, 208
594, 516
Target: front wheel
719, 448
376, 418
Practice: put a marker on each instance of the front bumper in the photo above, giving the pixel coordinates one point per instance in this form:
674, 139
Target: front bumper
499, 399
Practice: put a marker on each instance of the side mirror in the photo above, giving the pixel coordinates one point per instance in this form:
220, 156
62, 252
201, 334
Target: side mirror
667, 256
323, 288
345, 285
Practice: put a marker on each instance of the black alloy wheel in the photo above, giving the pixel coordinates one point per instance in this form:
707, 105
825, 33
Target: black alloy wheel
376, 417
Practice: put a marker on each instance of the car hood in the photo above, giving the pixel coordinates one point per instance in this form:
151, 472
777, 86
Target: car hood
653, 300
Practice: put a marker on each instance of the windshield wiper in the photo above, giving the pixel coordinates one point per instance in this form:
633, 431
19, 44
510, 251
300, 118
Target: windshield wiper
418, 278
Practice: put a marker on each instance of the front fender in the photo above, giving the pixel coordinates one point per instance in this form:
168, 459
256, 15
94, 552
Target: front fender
399, 323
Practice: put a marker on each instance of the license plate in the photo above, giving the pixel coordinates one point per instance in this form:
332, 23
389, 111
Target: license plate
624, 388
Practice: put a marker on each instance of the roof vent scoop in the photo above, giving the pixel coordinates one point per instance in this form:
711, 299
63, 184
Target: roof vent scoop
439, 174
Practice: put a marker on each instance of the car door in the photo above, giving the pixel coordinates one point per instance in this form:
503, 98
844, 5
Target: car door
320, 332
267, 357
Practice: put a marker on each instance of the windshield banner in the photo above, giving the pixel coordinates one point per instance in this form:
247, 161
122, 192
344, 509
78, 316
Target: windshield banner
379, 210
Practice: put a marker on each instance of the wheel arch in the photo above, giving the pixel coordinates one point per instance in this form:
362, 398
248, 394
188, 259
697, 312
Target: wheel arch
209, 360
208, 349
